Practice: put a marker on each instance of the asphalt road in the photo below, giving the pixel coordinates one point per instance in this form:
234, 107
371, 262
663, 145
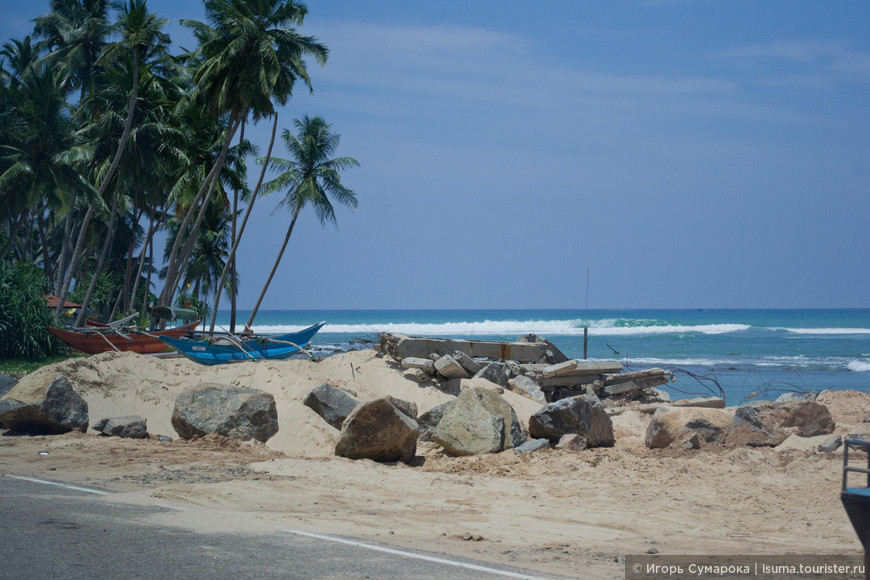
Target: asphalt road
58, 532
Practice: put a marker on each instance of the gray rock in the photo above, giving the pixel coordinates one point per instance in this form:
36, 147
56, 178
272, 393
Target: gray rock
830, 444
479, 421
130, 427
582, 415
671, 426
378, 430
6, 383
496, 372
423, 364
331, 403
572, 442
43, 403
523, 385
466, 362
692, 440
409, 409
430, 419
531, 446
762, 423
789, 397
230, 411
448, 368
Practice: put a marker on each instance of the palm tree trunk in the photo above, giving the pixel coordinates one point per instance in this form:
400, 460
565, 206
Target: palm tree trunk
238, 238
104, 254
275, 267
13, 233
128, 270
46, 258
232, 261
128, 125
149, 240
179, 255
148, 277
60, 266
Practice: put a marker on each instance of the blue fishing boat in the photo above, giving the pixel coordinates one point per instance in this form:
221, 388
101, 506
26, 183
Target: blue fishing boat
238, 348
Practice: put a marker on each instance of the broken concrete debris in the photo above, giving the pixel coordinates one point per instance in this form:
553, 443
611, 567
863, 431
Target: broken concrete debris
531, 366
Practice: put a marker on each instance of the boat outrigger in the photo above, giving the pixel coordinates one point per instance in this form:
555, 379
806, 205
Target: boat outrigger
236, 348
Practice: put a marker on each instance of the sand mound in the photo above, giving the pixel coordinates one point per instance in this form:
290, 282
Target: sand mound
116, 384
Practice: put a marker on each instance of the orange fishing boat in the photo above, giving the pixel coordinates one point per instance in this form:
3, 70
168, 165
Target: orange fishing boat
95, 341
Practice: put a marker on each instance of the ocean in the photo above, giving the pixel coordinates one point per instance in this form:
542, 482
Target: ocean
747, 353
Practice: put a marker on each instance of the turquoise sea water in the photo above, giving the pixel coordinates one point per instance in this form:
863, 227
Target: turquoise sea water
746, 351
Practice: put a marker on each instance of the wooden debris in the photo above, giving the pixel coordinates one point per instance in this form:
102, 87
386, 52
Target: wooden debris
400, 346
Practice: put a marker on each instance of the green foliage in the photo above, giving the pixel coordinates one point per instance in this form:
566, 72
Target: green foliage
201, 307
19, 368
103, 298
24, 314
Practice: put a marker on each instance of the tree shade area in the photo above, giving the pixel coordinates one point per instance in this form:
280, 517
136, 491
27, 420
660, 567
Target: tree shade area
110, 141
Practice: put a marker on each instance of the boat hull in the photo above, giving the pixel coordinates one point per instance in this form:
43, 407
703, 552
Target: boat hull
252, 349
95, 342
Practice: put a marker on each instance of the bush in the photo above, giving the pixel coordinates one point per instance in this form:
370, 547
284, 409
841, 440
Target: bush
24, 314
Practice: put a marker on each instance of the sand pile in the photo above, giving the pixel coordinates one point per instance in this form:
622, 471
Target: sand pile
117, 384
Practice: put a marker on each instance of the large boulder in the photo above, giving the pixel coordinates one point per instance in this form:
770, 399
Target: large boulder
430, 419
671, 426
44, 403
230, 411
762, 423
584, 415
378, 430
6, 383
331, 403
496, 372
479, 421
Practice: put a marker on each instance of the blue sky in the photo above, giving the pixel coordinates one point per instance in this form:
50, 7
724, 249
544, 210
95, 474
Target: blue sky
689, 153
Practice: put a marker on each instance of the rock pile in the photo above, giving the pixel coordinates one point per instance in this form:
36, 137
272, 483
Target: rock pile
531, 367
760, 423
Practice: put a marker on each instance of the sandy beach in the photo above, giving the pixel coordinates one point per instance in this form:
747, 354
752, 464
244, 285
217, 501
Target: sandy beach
574, 514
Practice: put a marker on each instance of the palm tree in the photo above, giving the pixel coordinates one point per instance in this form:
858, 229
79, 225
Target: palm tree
310, 178
75, 31
143, 41
246, 59
42, 149
237, 237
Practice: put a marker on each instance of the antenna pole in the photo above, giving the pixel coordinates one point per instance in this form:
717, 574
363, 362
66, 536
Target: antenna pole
586, 323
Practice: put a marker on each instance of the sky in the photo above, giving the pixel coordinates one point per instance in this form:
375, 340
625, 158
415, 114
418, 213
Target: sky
683, 153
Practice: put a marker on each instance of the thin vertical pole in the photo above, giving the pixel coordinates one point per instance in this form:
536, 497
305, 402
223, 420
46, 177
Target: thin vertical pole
586, 323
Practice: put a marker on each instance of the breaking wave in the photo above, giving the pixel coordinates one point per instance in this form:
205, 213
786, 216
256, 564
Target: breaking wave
547, 328
824, 330
861, 366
